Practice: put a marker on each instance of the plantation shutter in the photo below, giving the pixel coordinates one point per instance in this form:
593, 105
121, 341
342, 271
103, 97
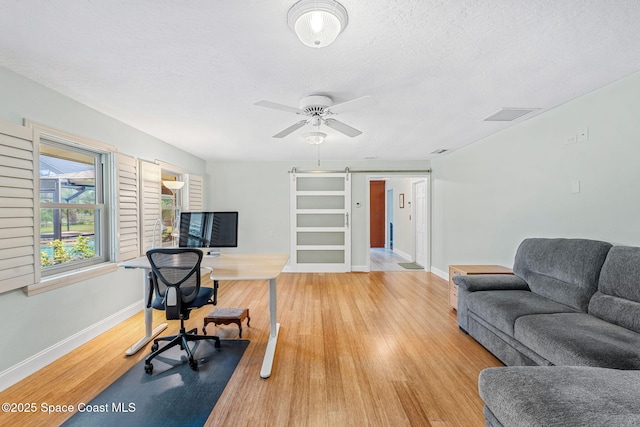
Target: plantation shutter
127, 212
19, 231
194, 200
151, 205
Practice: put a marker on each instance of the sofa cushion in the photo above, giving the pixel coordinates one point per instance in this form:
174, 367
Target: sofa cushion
501, 308
561, 396
618, 297
579, 339
564, 270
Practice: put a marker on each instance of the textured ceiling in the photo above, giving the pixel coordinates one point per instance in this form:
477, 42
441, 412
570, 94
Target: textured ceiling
189, 72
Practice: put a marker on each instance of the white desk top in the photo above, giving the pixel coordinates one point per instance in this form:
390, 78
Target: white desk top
232, 266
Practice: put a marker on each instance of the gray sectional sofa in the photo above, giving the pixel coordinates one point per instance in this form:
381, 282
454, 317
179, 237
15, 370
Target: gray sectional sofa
567, 325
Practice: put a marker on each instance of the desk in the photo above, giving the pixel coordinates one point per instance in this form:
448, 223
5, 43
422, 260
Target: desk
226, 267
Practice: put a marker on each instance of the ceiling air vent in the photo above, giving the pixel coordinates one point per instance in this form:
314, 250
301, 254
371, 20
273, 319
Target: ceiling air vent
439, 151
509, 114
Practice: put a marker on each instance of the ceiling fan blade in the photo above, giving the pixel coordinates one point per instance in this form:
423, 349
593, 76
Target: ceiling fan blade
342, 127
351, 105
281, 107
290, 129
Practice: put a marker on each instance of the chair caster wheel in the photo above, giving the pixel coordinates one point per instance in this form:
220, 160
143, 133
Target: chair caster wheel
154, 346
193, 364
148, 368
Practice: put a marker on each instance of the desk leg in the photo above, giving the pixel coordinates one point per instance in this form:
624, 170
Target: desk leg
149, 334
270, 352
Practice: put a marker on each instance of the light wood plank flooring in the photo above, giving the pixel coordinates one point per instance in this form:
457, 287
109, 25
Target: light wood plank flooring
357, 349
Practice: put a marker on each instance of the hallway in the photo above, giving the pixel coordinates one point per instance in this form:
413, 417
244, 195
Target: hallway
386, 260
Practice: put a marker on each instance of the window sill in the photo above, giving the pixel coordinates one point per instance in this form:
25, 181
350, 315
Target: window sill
69, 278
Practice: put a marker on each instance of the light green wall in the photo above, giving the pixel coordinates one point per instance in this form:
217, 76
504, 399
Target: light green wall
260, 192
490, 195
32, 324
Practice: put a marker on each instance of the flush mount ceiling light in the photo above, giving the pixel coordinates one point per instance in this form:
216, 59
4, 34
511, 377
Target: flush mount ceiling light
317, 23
314, 138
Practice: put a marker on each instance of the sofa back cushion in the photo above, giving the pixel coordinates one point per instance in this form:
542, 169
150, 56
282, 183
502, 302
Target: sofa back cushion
618, 298
563, 270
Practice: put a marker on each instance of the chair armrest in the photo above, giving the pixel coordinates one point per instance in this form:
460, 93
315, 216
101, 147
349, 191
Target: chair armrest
150, 291
490, 282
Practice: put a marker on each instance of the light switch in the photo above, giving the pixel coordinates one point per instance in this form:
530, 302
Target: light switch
575, 187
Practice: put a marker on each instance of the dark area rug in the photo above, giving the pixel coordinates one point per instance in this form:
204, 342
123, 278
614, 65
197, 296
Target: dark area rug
173, 395
411, 266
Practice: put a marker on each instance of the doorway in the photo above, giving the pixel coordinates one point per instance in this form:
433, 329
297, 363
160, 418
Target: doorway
377, 214
406, 213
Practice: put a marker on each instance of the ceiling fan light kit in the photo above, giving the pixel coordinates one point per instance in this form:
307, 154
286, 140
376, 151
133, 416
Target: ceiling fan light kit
317, 23
314, 138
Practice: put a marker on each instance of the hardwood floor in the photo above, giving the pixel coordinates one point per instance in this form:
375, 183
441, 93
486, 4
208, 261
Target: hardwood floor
378, 349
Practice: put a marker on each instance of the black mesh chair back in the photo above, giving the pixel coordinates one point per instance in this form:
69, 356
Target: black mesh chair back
175, 276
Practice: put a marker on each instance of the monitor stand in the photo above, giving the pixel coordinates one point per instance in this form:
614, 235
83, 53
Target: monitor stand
213, 252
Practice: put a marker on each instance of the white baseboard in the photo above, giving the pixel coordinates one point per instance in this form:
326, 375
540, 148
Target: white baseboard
360, 269
402, 254
440, 273
18, 372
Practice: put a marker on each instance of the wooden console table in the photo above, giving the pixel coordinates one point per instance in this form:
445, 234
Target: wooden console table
463, 270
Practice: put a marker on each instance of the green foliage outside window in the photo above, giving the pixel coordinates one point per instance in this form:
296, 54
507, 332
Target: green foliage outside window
81, 249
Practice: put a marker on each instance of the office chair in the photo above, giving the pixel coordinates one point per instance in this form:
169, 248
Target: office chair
175, 278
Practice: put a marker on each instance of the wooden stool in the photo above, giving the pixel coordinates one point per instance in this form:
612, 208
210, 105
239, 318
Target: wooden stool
226, 316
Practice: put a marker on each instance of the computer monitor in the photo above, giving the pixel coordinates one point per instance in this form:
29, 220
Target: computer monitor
209, 231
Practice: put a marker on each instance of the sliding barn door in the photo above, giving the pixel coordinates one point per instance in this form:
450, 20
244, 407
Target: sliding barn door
320, 222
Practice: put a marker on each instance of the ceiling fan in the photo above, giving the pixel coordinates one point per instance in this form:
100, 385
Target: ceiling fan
319, 109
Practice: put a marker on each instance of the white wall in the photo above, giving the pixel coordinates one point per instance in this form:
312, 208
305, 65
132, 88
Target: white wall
34, 324
260, 192
490, 195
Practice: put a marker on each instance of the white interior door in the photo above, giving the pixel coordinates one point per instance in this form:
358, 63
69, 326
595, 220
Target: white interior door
320, 222
421, 223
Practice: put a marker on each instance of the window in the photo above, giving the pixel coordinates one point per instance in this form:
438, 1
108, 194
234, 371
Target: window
160, 205
171, 203
73, 217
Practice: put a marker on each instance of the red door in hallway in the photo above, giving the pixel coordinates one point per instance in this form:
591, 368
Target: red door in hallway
377, 195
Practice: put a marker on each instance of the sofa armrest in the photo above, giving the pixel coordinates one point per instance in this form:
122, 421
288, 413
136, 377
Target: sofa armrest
483, 282
490, 282
561, 395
